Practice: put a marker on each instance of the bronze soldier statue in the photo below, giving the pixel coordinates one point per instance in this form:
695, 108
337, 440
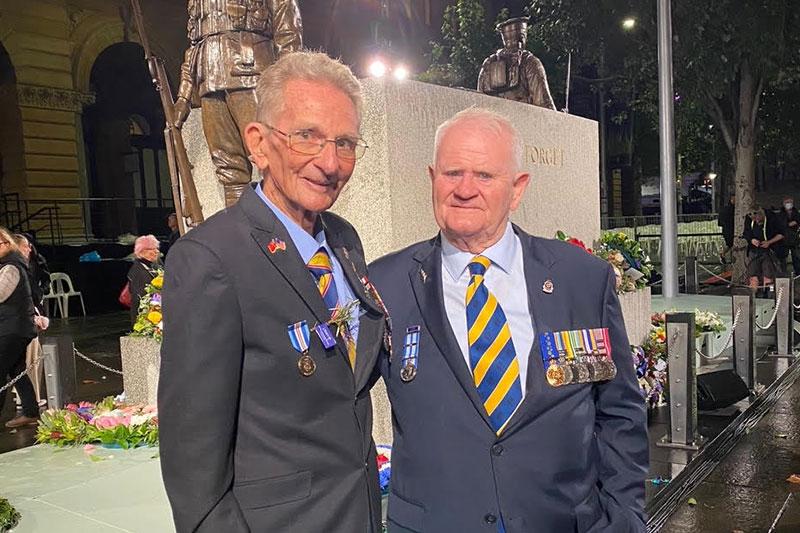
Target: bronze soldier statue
232, 41
514, 73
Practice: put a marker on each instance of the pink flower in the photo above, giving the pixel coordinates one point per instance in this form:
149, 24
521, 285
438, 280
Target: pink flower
86, 405
68, 417
72, 407
89, 448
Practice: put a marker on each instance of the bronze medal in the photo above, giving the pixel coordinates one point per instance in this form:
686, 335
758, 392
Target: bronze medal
581, 372
569, 374
555, 374
408, 372
611, 369
306, 365
591, 365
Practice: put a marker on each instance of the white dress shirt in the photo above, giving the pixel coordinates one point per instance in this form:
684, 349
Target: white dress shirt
505, 278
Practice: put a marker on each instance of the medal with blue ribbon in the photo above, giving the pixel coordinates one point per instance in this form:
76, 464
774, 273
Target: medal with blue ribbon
410, 354
554, 372
300, 336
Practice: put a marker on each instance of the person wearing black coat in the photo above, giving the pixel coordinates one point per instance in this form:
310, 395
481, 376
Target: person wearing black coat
143, 270
17, 328
791, 225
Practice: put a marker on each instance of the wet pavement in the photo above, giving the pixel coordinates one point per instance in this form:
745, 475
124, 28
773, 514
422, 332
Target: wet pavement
748, 490
97, 336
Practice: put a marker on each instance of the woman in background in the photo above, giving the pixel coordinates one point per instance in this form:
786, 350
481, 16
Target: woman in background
17, 328
143, 270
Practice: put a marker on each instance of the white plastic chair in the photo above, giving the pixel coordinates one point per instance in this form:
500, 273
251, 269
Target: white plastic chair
53, 296
58, 281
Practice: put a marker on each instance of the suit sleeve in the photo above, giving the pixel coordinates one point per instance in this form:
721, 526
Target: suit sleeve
198, 391
621, 427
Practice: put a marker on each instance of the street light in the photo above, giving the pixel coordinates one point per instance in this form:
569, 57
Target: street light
629, 23
400, 72
377, 69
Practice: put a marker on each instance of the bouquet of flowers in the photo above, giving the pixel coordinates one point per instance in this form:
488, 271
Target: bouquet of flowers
631, 265
150, 322
707, 322
9, 517
650, 362
384, 466
628, 258
108, 422
704, 321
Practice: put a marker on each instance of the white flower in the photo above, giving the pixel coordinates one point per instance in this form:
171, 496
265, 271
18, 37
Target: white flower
138, 420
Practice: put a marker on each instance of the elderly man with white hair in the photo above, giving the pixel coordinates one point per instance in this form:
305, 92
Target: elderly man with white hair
272, 331
515, 403
146, 262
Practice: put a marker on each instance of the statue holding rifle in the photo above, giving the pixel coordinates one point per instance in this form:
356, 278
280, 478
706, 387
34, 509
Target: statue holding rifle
232, 41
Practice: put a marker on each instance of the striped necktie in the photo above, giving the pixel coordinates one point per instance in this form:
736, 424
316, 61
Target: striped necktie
493, 361
320, 268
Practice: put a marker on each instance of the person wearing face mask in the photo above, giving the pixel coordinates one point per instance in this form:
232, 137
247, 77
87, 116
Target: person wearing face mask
791, 222
143, 270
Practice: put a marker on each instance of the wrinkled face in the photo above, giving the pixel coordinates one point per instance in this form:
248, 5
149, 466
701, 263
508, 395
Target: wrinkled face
150, 254
301, 183
475, 183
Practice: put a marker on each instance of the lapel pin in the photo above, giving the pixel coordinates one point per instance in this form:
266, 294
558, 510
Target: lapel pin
275, 245
423, 276
547, 286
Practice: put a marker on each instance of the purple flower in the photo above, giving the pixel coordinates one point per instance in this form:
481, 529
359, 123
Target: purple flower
155, 299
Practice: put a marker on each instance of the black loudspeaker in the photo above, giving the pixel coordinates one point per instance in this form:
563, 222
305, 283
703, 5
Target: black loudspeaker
59, 370
719, 389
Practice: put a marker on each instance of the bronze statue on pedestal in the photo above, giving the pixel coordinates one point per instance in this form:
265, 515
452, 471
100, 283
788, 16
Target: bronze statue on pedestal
514, 73
232, 41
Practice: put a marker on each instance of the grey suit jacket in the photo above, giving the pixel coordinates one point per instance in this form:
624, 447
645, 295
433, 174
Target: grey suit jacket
572, 458
247, 442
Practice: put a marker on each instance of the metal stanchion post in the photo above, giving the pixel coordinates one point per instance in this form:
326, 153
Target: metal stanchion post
59, 370
682, 432
784, 326
744, 338
691, 274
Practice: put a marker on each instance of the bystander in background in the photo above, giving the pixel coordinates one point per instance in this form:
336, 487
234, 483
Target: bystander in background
143, 271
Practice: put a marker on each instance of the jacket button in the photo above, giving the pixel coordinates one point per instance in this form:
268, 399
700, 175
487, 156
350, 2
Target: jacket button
497, 449
490, 518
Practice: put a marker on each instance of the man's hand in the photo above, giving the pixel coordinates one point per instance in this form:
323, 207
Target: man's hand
792, 224
755, 242
182, 108
765, 244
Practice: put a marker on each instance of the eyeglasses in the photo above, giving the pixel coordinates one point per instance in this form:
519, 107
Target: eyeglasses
308, 142
4, 242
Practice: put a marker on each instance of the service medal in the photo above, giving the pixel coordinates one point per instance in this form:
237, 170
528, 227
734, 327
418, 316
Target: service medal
408, 372
555, 374
611, 370
306, 365
581, 372
569, 374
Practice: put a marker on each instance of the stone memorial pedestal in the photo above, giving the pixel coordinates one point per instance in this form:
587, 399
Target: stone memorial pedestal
141, 360
388, 199
636, 311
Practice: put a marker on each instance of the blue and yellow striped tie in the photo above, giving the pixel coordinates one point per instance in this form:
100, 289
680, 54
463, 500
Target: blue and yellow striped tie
320, 268
492, 358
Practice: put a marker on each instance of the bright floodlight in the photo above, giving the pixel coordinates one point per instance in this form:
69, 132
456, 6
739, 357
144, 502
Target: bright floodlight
712, 175
377, 69
400, 72
629, 23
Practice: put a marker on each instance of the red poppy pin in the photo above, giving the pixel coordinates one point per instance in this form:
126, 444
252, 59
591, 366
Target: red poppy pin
275, 245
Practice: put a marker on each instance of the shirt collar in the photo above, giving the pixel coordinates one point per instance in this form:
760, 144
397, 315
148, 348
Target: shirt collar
303, 241
501, 254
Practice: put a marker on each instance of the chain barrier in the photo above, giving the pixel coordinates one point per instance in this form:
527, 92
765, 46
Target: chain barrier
21, 374
730, 283
774, 314
95, 363
728, 341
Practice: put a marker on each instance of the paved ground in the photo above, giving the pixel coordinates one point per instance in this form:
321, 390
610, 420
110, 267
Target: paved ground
748, 491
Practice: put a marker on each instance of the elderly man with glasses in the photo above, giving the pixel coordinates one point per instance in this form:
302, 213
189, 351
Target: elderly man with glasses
272, 330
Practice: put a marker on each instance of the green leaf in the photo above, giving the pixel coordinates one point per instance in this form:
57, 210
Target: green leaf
95, 458
692, 502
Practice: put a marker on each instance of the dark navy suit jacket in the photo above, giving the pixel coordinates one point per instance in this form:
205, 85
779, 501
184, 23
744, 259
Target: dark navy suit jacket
572, 459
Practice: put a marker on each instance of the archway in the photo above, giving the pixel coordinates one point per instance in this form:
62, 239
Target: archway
12, 160
126, 159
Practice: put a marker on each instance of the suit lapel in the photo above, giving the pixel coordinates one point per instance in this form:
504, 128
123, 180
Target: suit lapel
288, 262
426, 281
538, 266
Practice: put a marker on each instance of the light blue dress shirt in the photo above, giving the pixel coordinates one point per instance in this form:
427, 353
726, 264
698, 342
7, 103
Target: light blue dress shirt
308, 246
505, 278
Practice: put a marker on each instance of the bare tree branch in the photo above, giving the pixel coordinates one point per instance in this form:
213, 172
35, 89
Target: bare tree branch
724, 126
